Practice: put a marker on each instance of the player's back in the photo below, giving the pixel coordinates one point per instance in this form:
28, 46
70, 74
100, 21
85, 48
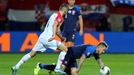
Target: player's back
48, 31
79, 50
49, 25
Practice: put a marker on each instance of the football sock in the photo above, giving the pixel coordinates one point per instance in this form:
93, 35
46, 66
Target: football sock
60, 60
23, 60
47, 67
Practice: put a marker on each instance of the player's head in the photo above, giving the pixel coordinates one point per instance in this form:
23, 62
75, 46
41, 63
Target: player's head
63, 8
71, 2
101, 47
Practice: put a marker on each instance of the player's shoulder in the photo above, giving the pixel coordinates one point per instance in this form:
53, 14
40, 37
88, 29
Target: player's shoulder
54, 15
91, 48
77, 7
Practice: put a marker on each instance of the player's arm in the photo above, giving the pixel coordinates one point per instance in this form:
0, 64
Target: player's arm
99, 61
82, 58
81, 24
101, 64
54, 28
59, 35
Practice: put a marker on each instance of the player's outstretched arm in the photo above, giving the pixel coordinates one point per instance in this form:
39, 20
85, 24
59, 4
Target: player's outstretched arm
82, 58
101, 64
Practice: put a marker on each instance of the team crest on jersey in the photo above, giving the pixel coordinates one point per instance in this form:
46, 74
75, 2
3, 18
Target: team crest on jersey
88, 53
69, 11
73, 12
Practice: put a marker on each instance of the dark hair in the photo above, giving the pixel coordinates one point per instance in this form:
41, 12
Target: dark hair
103, 44
63, 6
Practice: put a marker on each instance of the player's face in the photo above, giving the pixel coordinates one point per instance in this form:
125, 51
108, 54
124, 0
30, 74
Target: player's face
71, 2
65, 10
101, 49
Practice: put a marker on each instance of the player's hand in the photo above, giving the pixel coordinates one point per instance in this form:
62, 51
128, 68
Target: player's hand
78, 69
50, 39
81, 32
63, 39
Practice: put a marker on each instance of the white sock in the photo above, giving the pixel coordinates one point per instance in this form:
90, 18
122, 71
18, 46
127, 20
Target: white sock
23, 60
60, 59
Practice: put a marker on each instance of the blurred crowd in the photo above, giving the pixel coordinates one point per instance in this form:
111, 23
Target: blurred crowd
32, 15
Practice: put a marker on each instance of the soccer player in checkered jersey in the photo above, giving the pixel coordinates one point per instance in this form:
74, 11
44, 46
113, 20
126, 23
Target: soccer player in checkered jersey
46, 39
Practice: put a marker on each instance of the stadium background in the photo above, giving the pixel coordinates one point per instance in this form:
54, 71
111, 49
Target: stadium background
104, 20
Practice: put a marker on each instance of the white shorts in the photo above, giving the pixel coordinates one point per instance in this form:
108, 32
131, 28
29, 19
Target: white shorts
41, 45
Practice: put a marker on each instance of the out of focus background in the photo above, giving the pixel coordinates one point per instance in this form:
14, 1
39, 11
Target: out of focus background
104, 20
22, 21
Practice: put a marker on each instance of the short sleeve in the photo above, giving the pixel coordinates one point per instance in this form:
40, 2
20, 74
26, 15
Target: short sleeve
58, 19
89, 51
78, 10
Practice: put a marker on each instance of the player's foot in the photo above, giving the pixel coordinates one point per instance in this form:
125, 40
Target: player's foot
60, 71
37, 69
14, 70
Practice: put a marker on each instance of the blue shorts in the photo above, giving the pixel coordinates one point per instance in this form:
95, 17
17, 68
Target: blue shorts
69, 35
69, 61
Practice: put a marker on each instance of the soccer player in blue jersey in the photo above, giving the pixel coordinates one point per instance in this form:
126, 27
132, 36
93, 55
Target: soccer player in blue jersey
70, 21
81, 52
69, 27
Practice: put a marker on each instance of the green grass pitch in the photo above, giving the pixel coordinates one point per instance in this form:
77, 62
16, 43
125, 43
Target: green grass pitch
120, 64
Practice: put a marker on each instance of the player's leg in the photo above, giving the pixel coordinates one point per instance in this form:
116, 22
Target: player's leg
74, 67
58, 45
38, 47
61, 56
60, 59
70, 38
74, 71
39, 66
22, 61
25, 58
67, 59
62, 47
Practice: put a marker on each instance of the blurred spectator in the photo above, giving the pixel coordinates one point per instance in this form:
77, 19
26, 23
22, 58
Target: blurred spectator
39, 10
3, 10
103, 25
127, 21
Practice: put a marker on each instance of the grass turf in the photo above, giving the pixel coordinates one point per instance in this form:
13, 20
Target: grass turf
120, 64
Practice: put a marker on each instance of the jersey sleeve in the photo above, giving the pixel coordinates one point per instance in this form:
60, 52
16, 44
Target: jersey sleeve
58, 19
78, 10
96, 56
87, 54
89, 51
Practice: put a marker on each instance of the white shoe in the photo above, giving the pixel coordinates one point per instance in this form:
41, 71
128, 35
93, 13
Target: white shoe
14, 70
60, 71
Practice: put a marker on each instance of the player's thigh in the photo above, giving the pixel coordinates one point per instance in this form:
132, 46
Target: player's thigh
54, 44
39, 47
73, 71
71, 37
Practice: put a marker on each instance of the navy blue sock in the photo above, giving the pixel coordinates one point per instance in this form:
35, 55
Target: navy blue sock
47, 67
42, 66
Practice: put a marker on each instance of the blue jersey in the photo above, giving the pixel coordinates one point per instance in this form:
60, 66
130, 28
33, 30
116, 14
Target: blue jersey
71, 19
87, 50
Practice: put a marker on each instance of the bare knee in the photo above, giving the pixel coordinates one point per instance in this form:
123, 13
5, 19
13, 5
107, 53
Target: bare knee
63, 47
73, 71
32, 53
